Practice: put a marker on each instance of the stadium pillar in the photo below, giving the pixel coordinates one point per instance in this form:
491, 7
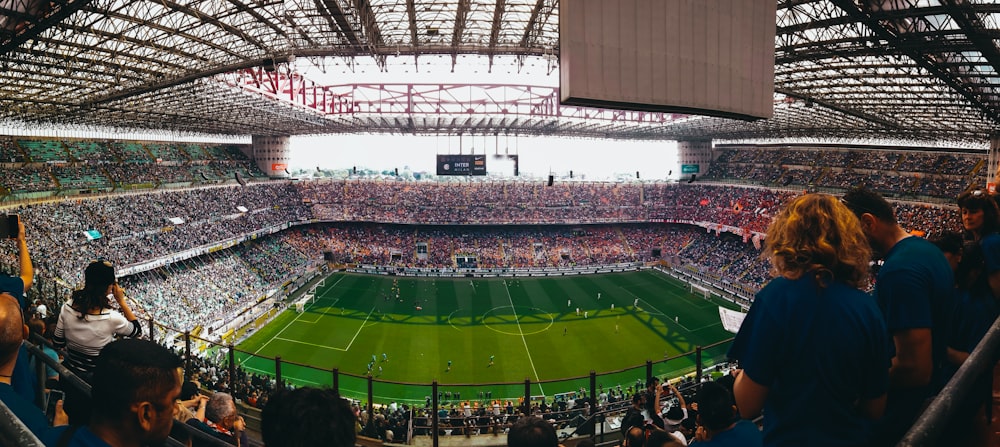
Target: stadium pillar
371, 395
277, 373
434, 412
698, 365
187, 354
649, 369
232, 362
336, 380
593, 404
694, 157
526, 408
993, 161
272, 153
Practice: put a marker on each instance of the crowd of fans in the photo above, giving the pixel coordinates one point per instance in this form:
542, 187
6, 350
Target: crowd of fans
135, 228
900, 174
56, 165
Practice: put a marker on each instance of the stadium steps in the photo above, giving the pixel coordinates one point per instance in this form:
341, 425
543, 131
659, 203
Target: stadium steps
899, 161
621, 237
976, 169
147, 151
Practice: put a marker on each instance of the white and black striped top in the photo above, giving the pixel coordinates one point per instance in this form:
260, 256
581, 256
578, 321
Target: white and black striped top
84, 337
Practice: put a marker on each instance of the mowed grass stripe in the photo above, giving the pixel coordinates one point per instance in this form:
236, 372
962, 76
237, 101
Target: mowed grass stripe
466, 321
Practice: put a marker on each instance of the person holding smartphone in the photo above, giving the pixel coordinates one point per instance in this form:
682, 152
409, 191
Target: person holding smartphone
23, 378
87, 322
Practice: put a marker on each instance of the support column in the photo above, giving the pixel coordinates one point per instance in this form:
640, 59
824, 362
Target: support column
693, 159
272, 153
991, 172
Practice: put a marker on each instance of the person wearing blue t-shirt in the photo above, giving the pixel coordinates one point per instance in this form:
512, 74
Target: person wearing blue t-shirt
914, 290
135, 385
12, 333
23, 378
718, 425
977, 275
813, 347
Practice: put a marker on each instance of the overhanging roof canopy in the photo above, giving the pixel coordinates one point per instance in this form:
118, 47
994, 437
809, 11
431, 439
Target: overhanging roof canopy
914, 69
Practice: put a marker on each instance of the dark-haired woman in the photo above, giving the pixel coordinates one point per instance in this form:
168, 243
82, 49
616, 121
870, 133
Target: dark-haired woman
87, 323
978, 280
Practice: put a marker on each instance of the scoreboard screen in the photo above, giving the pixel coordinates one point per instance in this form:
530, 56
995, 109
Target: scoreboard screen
461, 164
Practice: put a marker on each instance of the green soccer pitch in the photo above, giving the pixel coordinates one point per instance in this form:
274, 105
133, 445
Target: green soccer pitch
490, 331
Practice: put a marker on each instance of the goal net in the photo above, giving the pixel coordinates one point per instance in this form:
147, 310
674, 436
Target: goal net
699, 290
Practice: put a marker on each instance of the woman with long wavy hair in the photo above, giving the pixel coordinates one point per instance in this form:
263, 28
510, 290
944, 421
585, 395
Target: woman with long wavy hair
814, 347
87, 323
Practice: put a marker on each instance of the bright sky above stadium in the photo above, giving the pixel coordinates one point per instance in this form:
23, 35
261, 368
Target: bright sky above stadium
588, 158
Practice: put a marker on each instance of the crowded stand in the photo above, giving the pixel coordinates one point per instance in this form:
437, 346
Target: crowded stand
9, 152
130, 229
273, 258
42, 151
53, 165
80, 177
133, 229
210, 287
28, 179
129, 152
894, 173
89, 151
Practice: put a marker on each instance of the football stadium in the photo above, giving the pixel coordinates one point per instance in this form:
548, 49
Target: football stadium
499, 222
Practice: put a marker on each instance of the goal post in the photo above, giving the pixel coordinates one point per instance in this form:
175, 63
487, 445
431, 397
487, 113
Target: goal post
699, 290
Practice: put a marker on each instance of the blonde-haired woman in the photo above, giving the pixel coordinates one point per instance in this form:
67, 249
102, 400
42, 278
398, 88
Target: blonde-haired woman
813, 348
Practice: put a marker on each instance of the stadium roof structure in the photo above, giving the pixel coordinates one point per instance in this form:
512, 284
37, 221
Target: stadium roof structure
907, 69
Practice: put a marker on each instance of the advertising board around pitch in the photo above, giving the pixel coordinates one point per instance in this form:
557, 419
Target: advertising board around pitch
461, 164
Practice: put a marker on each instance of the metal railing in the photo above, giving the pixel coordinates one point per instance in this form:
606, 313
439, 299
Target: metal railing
13, 430
931, 423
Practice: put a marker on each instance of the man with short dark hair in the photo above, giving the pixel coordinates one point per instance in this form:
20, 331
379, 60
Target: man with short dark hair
532, 431
653, 391
719, 425
135, 386
633, 416
308, 417
914, 292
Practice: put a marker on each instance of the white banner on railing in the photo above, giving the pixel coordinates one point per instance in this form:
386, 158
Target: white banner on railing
731, 319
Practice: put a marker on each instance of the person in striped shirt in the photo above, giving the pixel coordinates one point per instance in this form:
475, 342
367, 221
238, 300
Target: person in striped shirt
87, 323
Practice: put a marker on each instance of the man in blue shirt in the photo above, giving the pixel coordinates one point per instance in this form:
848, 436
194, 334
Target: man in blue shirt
718, 425
23, 380
12, 333
914, 292
136, 384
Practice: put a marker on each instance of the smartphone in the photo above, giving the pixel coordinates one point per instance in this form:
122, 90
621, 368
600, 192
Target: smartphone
50, 402
9, 226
